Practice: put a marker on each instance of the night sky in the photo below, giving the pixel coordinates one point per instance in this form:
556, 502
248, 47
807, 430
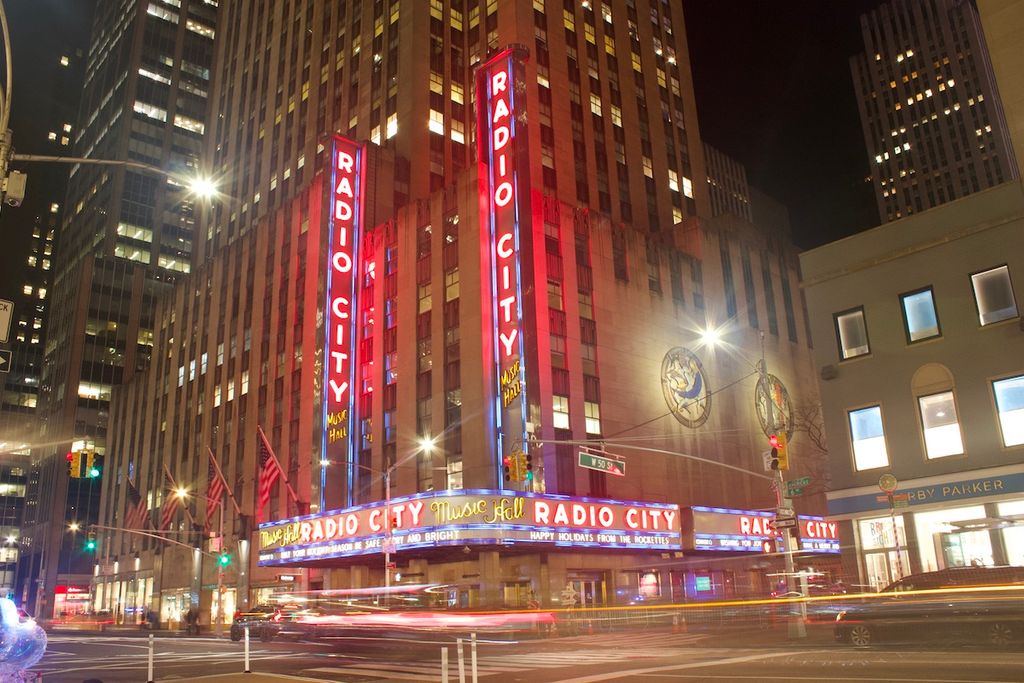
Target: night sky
774, 91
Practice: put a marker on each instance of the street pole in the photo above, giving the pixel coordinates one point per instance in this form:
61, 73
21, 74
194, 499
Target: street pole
797, 628
220, 577
387, 538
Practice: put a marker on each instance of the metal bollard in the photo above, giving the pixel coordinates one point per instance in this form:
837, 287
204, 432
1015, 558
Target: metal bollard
247, 669
462, 660
150, 677
444, 664
472, 656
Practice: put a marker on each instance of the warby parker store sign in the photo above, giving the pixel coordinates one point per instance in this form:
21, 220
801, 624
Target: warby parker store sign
707, 528
471, 517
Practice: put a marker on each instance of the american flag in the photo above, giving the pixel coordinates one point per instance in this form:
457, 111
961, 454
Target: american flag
170, 506
270, 470
171, 502
135, 516
215, 488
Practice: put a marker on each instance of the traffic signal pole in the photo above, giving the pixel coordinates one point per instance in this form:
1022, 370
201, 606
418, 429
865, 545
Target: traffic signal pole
220, 576
797, 627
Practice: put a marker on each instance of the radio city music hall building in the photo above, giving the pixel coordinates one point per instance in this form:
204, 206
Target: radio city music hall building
460, 276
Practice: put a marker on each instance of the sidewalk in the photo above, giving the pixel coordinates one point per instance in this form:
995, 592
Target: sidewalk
253, 678
126, 630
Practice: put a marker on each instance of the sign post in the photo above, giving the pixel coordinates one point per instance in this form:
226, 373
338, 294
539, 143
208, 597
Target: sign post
6, 313
888, 483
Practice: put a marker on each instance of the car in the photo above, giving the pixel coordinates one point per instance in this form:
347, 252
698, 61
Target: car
979, 604
259, 619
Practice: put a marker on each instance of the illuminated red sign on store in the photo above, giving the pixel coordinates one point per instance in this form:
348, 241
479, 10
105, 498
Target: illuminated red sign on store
342, 282
504, 188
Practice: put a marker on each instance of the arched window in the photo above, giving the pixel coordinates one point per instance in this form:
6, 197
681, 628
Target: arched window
933, 388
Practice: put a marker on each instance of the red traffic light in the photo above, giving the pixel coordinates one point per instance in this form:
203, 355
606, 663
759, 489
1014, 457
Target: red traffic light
70, 456
774, 441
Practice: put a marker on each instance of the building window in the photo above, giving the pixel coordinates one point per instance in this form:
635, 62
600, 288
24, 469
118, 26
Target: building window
1009, 394
592, 412
557, 351
993, 294
868, 438
555, 295
852, 333
425, 300
920, 320
560, 412
941, 427
451, 284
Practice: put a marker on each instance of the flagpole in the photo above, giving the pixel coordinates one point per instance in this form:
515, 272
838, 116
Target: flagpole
287, 483
220, 473
184, 503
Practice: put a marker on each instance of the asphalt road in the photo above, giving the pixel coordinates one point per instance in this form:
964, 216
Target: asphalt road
648, 657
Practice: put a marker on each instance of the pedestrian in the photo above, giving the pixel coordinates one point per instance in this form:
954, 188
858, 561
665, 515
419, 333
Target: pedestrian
192, 621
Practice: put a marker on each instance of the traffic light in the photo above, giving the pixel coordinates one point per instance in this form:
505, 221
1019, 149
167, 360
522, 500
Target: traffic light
224, 559
90, 541
507, 468
72, 459
774, 459
95, 466
782, 452
529, 467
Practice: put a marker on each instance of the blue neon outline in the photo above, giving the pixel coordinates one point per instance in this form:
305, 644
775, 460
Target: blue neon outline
492, 229
470, 492
356, 239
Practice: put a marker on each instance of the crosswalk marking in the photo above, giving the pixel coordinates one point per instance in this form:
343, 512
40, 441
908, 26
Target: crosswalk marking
492, 665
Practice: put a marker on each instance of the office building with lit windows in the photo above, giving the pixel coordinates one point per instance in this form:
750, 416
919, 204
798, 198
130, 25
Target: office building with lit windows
919, 348
929, 107
42, 122
411, 283
126, 235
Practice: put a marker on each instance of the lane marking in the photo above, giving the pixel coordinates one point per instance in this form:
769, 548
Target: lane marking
783, 677
673, 667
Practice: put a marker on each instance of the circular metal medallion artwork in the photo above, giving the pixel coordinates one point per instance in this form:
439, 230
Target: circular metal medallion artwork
685, 387
771, 391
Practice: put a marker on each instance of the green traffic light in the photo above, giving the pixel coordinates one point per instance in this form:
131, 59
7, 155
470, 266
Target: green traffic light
94, 472
224, 560
90, 545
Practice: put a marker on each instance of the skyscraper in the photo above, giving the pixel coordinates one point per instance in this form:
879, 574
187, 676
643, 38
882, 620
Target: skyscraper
929, 107
48, 44
126, 236
457, 237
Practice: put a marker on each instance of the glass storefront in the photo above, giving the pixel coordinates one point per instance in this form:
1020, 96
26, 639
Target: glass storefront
885, 559
943, 544
1013, 536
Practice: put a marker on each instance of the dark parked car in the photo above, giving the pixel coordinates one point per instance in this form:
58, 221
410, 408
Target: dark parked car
259, 619
981, 604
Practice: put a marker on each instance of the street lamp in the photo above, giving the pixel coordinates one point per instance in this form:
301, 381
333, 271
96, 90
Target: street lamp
181, 492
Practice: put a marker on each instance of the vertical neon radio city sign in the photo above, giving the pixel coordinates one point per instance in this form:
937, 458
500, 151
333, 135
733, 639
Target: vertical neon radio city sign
344, 236
505, 187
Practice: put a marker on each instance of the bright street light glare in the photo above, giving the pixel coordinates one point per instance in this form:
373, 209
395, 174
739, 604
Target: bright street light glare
203, 187
12, 539
73, 526
710, 336
181, 492
325, 462
428, 444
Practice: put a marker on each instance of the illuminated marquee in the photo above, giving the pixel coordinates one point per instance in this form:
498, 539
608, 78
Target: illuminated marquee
342, 282
728, 529
753, 531
818, 535
504, 186
471, 517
